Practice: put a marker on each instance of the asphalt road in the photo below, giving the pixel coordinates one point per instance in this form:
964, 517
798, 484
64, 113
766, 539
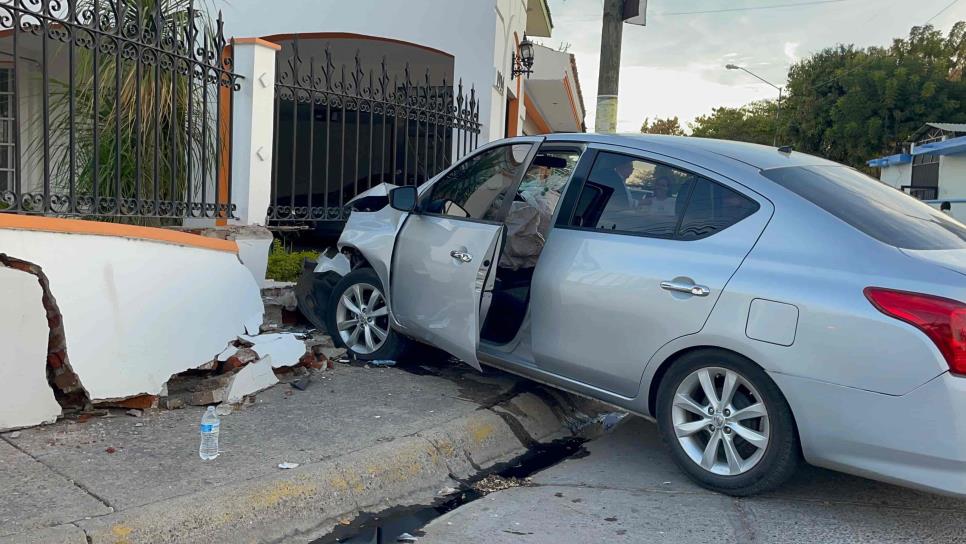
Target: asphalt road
628, 490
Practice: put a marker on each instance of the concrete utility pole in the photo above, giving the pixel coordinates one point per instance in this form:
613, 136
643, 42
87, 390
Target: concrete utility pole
608, 81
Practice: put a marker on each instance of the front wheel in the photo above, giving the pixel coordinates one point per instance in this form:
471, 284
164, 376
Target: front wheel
727, 424
358, 317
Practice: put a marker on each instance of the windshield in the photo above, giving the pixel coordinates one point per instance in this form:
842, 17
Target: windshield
884, 213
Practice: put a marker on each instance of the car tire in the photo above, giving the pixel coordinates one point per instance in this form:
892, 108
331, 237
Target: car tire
739, 462
363, 281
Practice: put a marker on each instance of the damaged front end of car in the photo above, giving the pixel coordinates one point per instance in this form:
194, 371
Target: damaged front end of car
367, 240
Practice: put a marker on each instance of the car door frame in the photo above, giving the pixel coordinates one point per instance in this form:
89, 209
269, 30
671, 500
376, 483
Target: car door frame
568, 206
536, 142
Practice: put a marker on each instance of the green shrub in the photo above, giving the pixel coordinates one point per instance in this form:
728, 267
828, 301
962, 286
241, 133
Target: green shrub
285, 265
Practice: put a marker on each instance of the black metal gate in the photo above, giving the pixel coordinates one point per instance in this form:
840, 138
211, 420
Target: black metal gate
340, 130
118, 108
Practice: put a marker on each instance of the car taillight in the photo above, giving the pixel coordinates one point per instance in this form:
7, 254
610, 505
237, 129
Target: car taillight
942, 319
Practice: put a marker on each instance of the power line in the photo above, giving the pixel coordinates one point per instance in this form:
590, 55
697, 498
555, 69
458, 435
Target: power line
753, 8
940, 12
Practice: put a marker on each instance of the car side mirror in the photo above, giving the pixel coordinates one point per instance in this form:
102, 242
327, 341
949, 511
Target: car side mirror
403, 198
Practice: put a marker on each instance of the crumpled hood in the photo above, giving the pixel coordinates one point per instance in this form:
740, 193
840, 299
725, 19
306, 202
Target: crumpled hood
379, 190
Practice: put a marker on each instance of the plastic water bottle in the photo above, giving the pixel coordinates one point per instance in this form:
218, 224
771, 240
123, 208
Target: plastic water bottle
209, 434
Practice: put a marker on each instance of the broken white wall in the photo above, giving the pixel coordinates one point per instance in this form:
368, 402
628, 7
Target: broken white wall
253, 253
137, 311
25, 397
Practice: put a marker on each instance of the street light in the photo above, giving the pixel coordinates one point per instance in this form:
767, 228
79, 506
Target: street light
778, 112
524, 63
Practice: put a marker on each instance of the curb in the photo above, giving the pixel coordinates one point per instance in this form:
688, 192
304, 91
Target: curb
307, 502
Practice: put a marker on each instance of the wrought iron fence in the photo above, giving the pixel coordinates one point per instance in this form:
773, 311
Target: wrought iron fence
340, 130
114, 108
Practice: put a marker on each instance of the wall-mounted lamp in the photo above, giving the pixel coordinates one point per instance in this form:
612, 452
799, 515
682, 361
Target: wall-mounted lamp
522, 64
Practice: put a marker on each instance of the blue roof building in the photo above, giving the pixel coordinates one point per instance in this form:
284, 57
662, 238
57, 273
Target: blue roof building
932, 166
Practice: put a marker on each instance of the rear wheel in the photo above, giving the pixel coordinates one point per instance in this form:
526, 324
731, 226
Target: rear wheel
358, 317
726, 423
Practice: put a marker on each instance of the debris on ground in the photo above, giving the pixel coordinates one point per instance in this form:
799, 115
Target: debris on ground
406, 537
287, 465
111, 450
382, 362
138, 402
291, 354
283, 348
281, 304
301, 384
610, 420
448, 491
15, 434
495, 482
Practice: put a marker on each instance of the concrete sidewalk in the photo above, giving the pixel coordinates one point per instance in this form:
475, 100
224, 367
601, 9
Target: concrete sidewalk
366, 439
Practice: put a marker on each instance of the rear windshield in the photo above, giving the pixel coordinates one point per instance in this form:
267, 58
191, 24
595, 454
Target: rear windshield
884, 213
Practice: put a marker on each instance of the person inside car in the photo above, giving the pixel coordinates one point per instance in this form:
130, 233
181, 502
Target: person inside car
661, 202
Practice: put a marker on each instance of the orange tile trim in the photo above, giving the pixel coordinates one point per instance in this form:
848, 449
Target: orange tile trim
534, 114
99, 228
573, 103
259, 41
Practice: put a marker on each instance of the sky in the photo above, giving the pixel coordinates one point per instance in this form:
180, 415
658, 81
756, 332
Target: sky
674, 66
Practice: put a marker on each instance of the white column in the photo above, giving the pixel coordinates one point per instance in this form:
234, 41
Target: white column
253, 130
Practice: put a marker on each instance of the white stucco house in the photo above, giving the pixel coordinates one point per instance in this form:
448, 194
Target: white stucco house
932, 167
472, 41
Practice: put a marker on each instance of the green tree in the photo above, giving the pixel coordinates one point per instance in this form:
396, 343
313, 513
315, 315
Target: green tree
754, 123
851, 104
670, 126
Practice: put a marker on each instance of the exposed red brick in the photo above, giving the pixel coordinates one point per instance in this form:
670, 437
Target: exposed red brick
56, 359
310, 360
247, 355
232, 363
140, 402
66, 381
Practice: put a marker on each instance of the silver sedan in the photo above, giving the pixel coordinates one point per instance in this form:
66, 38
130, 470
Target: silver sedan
764, 306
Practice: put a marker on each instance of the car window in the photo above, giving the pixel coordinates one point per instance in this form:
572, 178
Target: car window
629, 195
872, 207
626, 194
713, 207
478, 187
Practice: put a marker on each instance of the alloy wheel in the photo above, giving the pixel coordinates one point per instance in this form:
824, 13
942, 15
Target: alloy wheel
720, 421
362, 318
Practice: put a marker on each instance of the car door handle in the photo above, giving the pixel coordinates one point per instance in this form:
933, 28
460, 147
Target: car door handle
461, 256
689, 288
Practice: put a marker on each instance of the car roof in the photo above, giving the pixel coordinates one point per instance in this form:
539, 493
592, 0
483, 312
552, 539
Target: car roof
688, 147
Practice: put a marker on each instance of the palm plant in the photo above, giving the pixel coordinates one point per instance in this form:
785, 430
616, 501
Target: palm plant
135, 120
